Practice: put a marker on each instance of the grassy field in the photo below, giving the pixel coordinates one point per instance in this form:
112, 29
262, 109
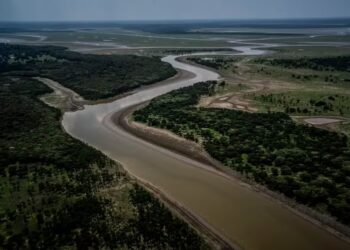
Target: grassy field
321, 83
312, 40
304, 77
309, 51
119, 37
305, 83
134, 39
304, 102
300, 81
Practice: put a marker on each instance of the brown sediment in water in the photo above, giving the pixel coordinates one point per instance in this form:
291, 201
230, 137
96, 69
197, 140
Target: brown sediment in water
233, 208
196, 152
68, 100
210, 234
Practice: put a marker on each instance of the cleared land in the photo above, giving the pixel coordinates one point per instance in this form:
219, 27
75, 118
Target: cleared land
321, 121
275, 84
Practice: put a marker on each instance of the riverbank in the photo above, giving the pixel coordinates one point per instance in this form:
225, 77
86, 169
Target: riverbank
210, 234
161, 137
67, 100
192, 150
228, 206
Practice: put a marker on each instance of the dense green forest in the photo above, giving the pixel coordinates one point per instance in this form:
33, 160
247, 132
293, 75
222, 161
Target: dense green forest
212, 62
338, 63
54, 189
307, 164
91, 76
194, 50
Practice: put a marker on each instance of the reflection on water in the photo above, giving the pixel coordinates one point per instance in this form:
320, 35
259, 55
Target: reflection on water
242, 215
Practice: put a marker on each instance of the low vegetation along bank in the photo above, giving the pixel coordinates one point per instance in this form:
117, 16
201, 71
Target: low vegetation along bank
305, 103
305, 163
212, 62
335, 63
330, 70
56, 192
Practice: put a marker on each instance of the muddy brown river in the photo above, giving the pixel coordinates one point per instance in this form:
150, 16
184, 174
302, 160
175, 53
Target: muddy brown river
243, 216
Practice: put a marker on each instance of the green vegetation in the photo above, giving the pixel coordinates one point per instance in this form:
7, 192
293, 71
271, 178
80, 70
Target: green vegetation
196, 50
316, 85
92, 76
307, 66
318, 42
132, 39
329, 70
305, 103
300, 51
307, 164
213, 62
339, 63
58, 193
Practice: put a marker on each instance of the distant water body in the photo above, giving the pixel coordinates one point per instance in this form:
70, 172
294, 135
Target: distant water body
184, 25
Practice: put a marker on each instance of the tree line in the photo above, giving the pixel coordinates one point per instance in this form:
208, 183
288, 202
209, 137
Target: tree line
305, 163
54, 189
337, 63
91, 76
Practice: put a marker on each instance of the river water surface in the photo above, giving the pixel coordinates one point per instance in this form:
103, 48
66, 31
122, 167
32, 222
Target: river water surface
242, 215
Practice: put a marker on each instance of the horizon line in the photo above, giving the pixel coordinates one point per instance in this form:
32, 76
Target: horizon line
177, 20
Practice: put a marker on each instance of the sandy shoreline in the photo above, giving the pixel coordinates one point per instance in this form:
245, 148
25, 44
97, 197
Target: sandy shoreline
67, 100
193, 151
201, 157
212, 236
161, 137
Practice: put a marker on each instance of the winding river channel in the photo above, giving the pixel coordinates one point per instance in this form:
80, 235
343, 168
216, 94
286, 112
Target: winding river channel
240, 214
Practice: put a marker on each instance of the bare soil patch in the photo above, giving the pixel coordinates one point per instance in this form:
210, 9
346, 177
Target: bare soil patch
321, 121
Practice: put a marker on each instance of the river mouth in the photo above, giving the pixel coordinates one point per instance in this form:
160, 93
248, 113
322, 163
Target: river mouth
242, 215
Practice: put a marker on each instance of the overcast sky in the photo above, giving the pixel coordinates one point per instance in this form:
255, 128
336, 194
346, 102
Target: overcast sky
77, 10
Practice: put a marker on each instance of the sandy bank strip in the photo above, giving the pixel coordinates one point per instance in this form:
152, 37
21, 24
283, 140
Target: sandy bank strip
67, 100
331, 123
62, 97
166, 140
198, 155
321, 121
317, 120
162, 137
198, 224
214, 236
